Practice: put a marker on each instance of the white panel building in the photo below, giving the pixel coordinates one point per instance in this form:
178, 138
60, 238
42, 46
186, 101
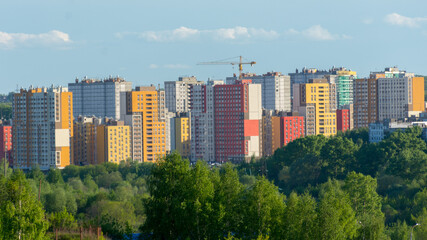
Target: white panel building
98, 98
179, 93
276, 89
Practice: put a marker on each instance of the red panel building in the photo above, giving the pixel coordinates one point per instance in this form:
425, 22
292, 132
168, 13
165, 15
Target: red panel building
6, 143
343, 120
237, 121
292, 127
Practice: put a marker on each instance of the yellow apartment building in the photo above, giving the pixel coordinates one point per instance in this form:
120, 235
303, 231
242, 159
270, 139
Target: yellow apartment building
113, 142
145, 114
183, 136
317, 94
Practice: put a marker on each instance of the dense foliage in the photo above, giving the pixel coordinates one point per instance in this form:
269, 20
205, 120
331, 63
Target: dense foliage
340, 187
5, 111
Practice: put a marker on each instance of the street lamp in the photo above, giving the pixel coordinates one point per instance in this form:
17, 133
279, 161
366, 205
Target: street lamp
363, 226
412, 229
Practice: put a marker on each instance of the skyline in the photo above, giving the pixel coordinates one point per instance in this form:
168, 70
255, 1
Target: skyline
152, 42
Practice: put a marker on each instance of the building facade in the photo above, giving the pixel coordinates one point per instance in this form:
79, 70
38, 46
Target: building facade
99, 98
276, 89
292, 127
344, 85
6, 143
146, 115
400, 97
113, 142
42, 128
238, 115
179, 94
343, 120
84, 140
202, 122
365, 102
181, 133
312, 100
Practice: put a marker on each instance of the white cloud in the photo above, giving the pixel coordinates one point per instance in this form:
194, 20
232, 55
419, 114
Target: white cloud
187, 34
179, 34
399, 20
153, 66
317, 33
12, 40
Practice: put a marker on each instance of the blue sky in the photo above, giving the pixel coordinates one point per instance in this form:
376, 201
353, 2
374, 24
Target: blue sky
49, 42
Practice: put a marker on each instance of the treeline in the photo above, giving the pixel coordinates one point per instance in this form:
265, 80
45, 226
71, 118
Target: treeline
106, 195
340, 187
202, 203
398, 164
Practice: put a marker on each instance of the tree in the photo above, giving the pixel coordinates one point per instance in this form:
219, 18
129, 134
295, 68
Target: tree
408, 164
163, 207
399, 231
398, 141
21, 215
8, 169
338, 156
336, 219
262, 207
420, 231
55, 201
300, 215
293, 151
367, 205
197, 206
226, 214
62, 220
54, 176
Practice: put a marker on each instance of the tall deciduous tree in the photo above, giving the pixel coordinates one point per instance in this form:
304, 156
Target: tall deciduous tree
163, 208
262, 208
367, 204
299, 221
21, 215
226, 205
336, 219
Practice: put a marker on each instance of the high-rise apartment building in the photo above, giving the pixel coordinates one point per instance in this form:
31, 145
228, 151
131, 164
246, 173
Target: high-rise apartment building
99, 98
146, 115
42, 128
399, 95
293, 128
84, 140
181, 134
312, 100
279, 129
113, 142
6, 143
390, 94
344, 86
341, 77
179, 94
238, 116
343, 120
276, 89
365, 102
202, 122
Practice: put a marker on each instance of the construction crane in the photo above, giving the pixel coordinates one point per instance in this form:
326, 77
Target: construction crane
240, 63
